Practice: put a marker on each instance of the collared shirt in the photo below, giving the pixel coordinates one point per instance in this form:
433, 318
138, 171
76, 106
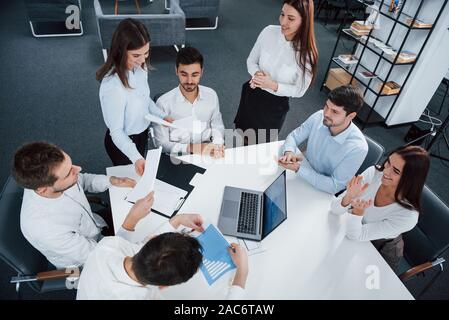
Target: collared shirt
205, 109
385, 222
272, 53
124, 109
64, 229
332, 160
104, 275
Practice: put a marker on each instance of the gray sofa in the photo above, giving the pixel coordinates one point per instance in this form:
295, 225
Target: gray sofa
165, 29
194, 9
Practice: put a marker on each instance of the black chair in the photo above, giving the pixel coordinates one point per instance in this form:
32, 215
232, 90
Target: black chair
31, 266
425, 244
375, 153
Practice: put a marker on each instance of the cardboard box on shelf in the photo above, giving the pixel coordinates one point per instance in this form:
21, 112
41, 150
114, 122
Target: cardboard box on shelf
338, 77
390, 87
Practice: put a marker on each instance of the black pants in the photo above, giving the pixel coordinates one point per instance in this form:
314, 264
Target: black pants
391, 250
106, 214
259, 109
117, 157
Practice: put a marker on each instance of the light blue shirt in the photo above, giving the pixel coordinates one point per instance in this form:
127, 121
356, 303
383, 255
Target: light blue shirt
124, 109
332, 160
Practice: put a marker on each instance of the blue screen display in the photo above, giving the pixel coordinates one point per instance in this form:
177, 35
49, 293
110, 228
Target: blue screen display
275, 210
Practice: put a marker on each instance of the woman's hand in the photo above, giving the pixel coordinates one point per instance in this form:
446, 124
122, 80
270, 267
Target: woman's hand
359, 206
262, 79
354, 189
140, 166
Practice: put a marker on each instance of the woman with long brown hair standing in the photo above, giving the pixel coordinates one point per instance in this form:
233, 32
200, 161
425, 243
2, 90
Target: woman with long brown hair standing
125, 95
283, 64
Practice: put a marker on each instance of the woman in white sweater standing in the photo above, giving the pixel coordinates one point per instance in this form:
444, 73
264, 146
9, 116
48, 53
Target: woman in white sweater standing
125, 95
282, 64
384, 202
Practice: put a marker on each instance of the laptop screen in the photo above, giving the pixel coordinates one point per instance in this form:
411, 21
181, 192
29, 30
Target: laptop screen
275, 205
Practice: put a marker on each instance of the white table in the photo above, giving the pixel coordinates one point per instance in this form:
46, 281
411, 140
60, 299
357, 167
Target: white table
306, 257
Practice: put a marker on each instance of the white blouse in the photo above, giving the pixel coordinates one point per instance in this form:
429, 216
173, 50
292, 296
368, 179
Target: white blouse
124, 109
272, 53
385, 222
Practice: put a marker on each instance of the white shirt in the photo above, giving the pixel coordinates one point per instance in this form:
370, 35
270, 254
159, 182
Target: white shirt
205, 109
385, 222
124, 109
64, 229
331, 160
104, 277
272, 53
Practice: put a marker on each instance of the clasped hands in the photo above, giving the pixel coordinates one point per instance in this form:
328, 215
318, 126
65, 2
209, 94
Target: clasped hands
262, 79
290, 161
354, 190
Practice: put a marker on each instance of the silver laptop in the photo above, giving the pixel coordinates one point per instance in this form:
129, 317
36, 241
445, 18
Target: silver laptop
253, 214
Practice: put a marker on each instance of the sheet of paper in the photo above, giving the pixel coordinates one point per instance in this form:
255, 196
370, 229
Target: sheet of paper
216, 259
190, 124
146, 183
252, 247
123, 171
196, 179
167, 197
157, 120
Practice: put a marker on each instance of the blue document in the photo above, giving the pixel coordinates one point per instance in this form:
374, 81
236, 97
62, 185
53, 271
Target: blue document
216, 259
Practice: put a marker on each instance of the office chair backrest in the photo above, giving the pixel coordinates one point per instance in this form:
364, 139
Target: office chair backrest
375, 153
15, 250
430, 238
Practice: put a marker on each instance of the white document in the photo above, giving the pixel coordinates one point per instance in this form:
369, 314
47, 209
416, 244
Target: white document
190, 124
146, 183
252, 247
155, 119
167, 197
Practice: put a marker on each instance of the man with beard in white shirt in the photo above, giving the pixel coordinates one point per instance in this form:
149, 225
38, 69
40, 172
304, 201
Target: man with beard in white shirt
120, 270
56, 217
189, 99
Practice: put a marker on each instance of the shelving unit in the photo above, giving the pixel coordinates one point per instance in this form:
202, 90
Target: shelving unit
399, 32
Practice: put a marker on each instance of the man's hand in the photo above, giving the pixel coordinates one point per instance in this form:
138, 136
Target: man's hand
359, 206
169, 119
240, 259
138, 211
140, 166
354, 189
217, 151
122, 182
209, 149
290, 161
194, 221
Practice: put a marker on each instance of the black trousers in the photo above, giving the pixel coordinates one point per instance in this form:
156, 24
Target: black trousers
117, 157
391, 250
259, 109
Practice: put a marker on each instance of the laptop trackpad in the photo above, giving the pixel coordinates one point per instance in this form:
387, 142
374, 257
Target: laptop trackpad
230, 208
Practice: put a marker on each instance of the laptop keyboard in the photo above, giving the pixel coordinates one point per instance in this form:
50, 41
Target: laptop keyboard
249, 206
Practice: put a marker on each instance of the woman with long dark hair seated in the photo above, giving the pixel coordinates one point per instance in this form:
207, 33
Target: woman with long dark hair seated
384, 202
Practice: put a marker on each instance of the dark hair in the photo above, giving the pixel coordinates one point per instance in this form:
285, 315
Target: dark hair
413, 178
188, 56
33, 164
348, 97
168, 259
304, 42
130, 35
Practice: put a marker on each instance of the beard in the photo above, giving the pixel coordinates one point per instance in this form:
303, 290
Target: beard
189, 87
328, 122
65, 188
